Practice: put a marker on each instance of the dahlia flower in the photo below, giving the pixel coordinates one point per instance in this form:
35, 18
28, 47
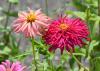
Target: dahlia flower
8, 66
66, 33
31, 23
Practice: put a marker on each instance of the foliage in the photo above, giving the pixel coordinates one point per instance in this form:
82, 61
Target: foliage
10, 44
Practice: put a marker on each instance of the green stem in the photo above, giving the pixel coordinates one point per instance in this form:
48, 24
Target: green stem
99, 15
5, 35
52, 65
87, 20
79, 63
72, 54
46, 6
33, 48
79, 54
7, 18
98, 7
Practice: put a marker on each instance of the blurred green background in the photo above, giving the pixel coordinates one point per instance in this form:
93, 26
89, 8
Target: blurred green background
16, 47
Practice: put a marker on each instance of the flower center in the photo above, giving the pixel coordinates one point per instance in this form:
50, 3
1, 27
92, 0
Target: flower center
63, 26
31, 17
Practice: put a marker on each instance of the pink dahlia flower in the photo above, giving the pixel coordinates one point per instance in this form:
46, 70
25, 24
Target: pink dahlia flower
66, 33
31, 23
8, 66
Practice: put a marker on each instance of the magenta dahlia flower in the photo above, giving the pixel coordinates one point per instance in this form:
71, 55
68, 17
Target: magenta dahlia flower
31, 23
66, 33
8, 66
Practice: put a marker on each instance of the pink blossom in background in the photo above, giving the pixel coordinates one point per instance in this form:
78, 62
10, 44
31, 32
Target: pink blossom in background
66, 33
31, 23
8, 66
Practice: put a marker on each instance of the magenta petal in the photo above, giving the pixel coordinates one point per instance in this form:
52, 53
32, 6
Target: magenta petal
66, 33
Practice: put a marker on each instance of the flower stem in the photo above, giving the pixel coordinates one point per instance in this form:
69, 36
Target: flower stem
98, 7
99, 15
46, 6
71, 54
52, 66
5, 35
88, 12
79, 63
33, 48
7, 17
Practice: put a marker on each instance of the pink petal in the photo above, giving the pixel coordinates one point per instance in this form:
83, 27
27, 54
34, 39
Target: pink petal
35, 28
38, 12
19, 20
22, 14
13, 66
41, 23
2, 68
8, 63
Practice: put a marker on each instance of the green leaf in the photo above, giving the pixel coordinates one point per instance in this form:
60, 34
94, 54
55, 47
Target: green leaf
92, 45
95, 64
21, 56
14, 1
2, 29
60, 68
82, 15
13, 14
5, 51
